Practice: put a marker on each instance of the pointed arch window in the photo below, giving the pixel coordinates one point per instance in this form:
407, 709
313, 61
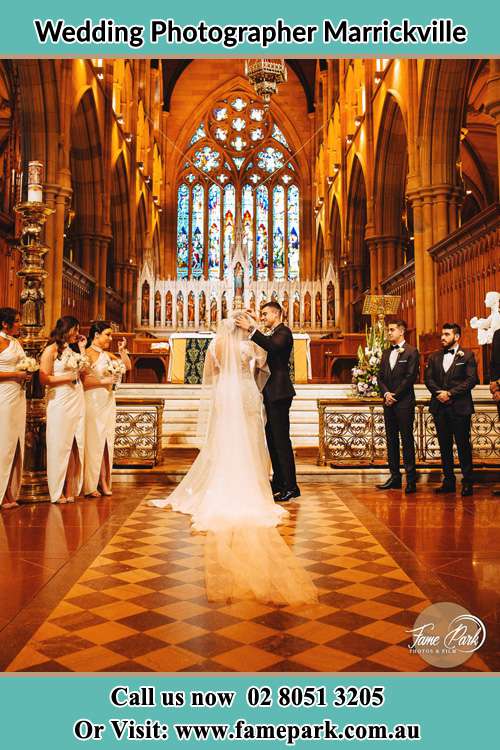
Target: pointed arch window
238, 170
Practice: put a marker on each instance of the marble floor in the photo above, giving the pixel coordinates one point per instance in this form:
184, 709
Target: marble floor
113, 585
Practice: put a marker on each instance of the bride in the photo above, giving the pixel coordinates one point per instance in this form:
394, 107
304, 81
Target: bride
227, 491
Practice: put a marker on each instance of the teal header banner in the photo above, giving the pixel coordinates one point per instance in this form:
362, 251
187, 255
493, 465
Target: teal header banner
286, 711
195, 29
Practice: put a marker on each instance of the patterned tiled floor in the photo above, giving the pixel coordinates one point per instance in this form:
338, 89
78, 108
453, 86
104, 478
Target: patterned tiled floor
141, 605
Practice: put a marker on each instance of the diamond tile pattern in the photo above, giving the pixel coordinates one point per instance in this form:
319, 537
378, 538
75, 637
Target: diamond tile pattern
141, 606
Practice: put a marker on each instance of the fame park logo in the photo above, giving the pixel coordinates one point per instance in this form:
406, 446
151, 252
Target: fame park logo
446, 635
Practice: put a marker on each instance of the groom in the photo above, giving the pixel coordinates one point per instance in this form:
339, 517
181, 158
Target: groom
278, 395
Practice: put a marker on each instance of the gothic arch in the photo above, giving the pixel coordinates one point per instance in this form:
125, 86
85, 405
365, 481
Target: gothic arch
391, 168
86, 160
442, 112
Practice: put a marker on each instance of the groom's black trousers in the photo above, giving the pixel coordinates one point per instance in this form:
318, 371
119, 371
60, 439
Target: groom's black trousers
279, 443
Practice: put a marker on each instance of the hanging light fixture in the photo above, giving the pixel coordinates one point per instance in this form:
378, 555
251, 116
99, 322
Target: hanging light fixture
265, 75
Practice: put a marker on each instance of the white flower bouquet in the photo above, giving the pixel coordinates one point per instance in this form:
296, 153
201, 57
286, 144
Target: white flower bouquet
27, 364
364, 375
115, 368
75, 362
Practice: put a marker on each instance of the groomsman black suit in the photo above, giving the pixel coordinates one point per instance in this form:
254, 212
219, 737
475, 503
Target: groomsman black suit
399, 418
453, 417
278, 394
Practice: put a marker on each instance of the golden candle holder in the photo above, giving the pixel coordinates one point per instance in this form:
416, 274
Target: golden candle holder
32, 303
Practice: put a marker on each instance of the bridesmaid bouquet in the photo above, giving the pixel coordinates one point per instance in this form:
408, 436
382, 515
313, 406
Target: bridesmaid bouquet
73, 361
115, 368
27, 364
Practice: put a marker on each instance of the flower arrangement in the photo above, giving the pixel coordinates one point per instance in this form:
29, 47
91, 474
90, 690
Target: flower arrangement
116, 369
73, 361
364, 375
28, 364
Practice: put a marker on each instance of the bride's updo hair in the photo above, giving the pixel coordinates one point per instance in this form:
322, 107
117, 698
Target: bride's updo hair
97, 327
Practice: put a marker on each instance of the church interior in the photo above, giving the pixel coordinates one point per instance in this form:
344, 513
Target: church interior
160, 195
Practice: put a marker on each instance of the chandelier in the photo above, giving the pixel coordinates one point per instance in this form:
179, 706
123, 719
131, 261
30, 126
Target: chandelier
265, 75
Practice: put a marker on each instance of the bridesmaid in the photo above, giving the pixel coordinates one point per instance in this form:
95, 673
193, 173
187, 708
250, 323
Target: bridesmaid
60, 370
12, 408
99, 382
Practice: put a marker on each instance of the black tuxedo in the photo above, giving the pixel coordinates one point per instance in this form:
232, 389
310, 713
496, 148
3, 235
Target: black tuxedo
399, 417
278, 394
453, 419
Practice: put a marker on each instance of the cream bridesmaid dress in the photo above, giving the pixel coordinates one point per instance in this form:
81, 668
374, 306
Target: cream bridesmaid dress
100, 420
13, 424
65, 428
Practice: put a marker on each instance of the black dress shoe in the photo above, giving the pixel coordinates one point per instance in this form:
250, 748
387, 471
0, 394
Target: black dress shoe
467, 490
445, 489
390, 484
410, 488
288, 495
277, 493
495, 491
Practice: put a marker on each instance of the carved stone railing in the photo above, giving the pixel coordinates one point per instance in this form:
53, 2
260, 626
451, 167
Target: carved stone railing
352, 433
468, 266
138, 431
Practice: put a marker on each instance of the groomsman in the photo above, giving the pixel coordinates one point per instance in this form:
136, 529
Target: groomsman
495, 378
398, 374
450, 376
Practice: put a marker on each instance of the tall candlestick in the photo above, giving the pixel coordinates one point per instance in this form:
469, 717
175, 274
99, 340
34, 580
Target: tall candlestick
35, 190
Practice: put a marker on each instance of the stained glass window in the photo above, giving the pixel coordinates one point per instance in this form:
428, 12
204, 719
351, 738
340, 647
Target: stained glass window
206, 159
247, 224
229, 214
182, 231
239, 124
197, 238
214, 232
238, 104
278, 136
250, 178
200, 133
257, 114
279, 232
270, 159
262, 231
293, 232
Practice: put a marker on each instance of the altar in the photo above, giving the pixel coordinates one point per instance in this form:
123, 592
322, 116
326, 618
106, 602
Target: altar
187, 357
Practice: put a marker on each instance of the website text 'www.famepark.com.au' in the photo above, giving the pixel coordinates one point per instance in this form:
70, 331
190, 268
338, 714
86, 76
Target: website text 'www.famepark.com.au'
289, 734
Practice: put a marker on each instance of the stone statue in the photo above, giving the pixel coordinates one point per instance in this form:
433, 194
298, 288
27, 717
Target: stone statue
319, 311
239, 285
296, 310
168, 309
285, 308
190, 309
330, 303
224, 306
145, 304
32, 304
252, 302
157, 309
180, 309
213, 311
486, 327
307, 309
203, 309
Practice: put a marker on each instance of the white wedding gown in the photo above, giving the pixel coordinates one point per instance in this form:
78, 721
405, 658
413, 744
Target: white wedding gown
100, 421
65, 429
227, 491
13, 424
